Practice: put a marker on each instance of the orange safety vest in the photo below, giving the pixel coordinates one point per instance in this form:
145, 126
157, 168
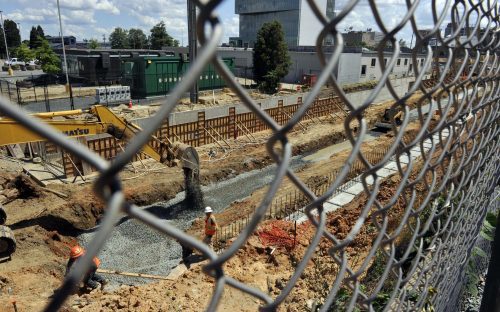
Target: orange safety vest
210, 225
97, 262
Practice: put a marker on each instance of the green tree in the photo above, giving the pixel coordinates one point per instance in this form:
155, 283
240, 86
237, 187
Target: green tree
159, 37
137, 39
93, 44
12, 34
24, 53
35, 33
271, 60
119, 38
51, 63
40, 31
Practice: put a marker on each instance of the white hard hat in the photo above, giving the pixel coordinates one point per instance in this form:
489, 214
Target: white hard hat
208, 209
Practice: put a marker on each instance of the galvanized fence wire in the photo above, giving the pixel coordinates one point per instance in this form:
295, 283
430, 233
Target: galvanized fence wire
456, 175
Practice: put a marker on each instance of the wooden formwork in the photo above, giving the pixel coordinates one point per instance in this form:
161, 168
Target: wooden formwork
207, 131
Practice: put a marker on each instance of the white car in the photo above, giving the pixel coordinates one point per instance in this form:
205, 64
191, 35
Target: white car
14, 61
32, 63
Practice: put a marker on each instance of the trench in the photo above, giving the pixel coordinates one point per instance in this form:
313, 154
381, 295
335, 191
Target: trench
135, 247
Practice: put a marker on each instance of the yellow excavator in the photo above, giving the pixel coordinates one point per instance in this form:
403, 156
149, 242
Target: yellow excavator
97, 120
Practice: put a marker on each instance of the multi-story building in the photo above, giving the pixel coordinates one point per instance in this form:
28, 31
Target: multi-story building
464, 31
55, 42
362, 38
300, 25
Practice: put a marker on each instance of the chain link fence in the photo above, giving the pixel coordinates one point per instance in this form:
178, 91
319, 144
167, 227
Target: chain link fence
447, 172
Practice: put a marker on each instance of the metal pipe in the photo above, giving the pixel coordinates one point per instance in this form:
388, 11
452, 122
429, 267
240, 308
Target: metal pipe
193, 46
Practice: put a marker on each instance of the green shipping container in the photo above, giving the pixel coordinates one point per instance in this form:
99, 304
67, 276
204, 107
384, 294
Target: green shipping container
155, 76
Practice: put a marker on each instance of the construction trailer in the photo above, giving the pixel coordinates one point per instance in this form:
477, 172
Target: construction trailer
103, 67
147, 72
155, 76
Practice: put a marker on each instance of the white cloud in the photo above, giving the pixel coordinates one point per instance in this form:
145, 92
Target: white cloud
100, 5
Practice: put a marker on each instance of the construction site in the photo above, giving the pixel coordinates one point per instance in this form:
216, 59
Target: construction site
372, 196
50, 212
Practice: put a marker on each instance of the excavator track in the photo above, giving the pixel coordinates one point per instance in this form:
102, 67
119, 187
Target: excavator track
7, 242
3, 216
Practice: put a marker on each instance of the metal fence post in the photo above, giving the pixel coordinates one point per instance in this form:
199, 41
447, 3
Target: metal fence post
71, 95
491, 297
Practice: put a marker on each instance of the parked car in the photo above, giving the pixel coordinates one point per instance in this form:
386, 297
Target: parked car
32, 63
14, 61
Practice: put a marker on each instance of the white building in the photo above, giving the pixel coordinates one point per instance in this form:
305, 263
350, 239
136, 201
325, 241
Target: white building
353, 67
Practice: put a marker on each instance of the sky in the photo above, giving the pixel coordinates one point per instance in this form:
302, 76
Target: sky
87, 19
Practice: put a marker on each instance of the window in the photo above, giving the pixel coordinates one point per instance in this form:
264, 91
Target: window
385, 61
421, 61
399, 61
374, 61
406, 62
411, 67
363, 70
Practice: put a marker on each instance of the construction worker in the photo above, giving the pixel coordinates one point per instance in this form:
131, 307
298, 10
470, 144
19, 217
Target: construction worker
91, 279
210, 226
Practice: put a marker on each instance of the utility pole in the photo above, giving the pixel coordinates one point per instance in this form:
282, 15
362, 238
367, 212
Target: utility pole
193, 45
68, 85
63, 48
11, 72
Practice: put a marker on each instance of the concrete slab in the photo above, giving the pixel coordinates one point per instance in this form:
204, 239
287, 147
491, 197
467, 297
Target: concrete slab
356, 189
177, 272
341, 199
384, 172
391, 166
403, 159
301, 217
42, 175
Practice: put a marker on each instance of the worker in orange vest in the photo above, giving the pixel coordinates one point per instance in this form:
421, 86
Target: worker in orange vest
91, 279
210, 226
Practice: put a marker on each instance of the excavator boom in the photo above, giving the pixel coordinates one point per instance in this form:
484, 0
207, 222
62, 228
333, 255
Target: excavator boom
107, 122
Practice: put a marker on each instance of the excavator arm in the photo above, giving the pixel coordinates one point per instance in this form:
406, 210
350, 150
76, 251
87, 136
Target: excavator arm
107, 122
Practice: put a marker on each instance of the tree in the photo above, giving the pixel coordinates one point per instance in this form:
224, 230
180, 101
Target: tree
12, 34
40, 31
33, 38
51, 63
119, 38
159, 37
93, 44
35, 33
402, 43
137, 39
24, 53
271, 60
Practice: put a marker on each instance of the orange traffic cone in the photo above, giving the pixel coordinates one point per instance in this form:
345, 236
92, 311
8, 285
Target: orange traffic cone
130, 104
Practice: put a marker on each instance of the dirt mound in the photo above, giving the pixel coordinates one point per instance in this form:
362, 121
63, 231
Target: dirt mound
14, 187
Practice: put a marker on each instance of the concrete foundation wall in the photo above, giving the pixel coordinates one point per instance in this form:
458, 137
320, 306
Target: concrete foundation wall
401, 86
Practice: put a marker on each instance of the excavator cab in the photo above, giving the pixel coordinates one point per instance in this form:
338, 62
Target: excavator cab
390, 115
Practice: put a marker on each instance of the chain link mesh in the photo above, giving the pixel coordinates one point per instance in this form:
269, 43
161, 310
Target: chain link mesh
457, 172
